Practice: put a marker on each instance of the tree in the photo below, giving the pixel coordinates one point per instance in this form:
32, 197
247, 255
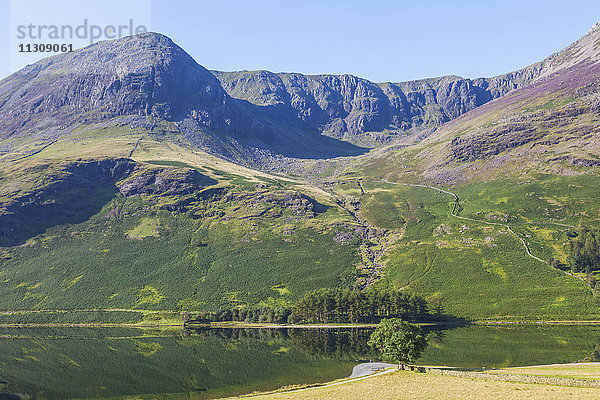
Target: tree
398, 340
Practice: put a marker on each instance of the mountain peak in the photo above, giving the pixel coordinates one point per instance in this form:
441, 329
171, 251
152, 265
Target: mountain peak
584, 50
144, 74
131, 53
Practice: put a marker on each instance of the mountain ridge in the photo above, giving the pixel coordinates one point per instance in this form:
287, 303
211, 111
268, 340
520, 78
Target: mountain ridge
356, 105
351, 108
145, 78
149, 75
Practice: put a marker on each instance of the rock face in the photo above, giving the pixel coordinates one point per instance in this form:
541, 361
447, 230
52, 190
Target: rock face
348, 107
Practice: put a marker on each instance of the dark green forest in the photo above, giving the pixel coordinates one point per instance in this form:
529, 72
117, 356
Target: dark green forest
330, 306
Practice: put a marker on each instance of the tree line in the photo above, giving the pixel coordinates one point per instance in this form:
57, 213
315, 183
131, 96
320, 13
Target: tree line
249, 314
329, 306
584, 255
352, 305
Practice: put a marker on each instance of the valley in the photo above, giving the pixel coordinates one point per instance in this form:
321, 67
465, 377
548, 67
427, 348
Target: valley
160, 185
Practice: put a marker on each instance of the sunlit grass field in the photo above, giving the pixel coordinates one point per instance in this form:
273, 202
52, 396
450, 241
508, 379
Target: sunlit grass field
404, 385
575, 371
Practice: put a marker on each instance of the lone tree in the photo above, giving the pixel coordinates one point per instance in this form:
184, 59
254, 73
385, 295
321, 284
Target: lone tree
398, 340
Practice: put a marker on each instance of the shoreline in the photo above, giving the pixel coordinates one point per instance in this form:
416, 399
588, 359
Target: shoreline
252, 325
90, 325
536, 322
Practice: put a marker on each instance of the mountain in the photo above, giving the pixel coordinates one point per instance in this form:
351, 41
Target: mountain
350, 108
549, 125
145, 75
106, 194
133, 177
243, 116
135, 82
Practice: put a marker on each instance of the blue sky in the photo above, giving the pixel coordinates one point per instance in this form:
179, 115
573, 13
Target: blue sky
378, 40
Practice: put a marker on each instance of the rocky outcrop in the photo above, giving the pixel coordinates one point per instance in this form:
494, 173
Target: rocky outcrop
73, 192
347, 107
163, 182
471, 148
273, 204
577, 161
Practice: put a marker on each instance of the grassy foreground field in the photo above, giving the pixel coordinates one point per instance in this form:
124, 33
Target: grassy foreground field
575, 371
399, 385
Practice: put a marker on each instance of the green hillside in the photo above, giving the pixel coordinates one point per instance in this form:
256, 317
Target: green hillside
243, 239
192, 199
470, 268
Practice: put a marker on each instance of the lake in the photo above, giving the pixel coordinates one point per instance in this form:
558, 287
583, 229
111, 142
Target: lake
58, 363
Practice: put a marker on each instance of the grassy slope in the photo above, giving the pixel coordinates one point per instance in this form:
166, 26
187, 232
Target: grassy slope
155, 259
102, 267
472, 269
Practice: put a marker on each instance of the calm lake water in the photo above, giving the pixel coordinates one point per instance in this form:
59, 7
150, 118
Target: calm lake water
99, 363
